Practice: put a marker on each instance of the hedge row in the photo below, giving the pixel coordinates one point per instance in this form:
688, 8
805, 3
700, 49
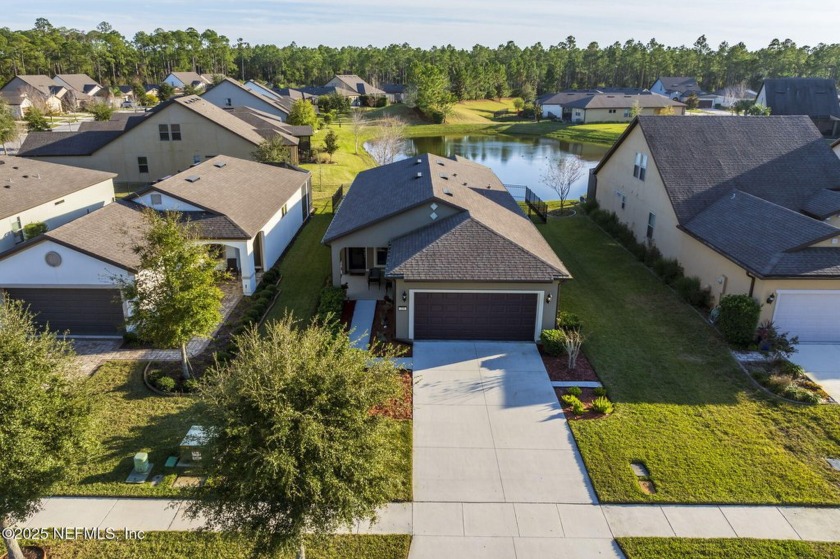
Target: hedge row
668, 269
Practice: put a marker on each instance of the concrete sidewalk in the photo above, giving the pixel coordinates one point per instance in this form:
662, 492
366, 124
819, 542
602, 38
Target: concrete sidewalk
361, 325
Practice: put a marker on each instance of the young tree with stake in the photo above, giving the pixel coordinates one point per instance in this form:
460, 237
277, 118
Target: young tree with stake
559, 175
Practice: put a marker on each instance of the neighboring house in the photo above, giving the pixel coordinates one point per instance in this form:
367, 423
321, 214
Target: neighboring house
750, 205
249, 210
395, 92
678, 88
81, 90
727, 97
552, 104
230, 94
17, 101
127, 94
355, 84
607, 107
42, 91
38, 192
448, 244
269, 125
149, 146
814, 97
180, 80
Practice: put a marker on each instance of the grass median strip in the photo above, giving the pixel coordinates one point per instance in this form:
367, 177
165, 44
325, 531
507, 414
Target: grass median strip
682, 406
674, 548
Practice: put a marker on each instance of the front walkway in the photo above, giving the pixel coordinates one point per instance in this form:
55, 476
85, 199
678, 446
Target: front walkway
821, 362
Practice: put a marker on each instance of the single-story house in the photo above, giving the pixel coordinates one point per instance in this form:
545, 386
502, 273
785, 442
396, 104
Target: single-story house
678, 88
163, 141
81, 90
250, 211
269, 125
38, 192
17, 101
814, 97
42, 91
395, 92
355, 84
230, 94
750, 205
552, 104
180, 80
445, 240
608, 107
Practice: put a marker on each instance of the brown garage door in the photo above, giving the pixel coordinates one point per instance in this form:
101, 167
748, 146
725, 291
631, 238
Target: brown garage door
474, 316
81, 311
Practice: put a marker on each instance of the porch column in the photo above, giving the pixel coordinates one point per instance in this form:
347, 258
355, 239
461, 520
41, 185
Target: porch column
246, 267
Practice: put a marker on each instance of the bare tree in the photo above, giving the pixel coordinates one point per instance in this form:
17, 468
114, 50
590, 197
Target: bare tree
560, 174
357, 124
734, 93
390, 141
571, 343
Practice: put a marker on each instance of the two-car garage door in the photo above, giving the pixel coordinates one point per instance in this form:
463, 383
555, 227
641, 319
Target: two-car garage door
814, 316
79, 311
461, 315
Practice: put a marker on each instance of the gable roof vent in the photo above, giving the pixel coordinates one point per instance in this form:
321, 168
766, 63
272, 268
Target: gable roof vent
447, 192
192, 178
219, 164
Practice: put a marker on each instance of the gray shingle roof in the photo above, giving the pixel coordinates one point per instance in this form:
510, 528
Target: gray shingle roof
460, 248
284, 104
619, 101
757, 233
247, 192
44, 144
41, 83
37, 182
809, 262
569, 95
357, 84
386, 191
82, 83
681, 84
815, 97
782, 159
823, 204
191, 78
211, 225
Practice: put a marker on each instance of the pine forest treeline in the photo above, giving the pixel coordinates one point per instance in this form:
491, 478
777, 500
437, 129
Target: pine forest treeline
480, 72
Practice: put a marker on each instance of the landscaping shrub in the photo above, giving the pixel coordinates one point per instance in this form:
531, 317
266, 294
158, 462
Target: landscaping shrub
800, 394
569, 399
153, 375
779, 383
578, 408
590, 205
602, 405
574, 391
331, 302
253, 314
787, 368
668, 269
775, 343
738, 318
190, 385
600, 391
688, 288
652, 257
552, 341
271, 277
639, 250
568, 321
165, 384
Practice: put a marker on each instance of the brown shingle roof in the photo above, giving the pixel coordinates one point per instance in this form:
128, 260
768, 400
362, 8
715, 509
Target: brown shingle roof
357, 84
247, 192
36, 182
41, 83
82, 83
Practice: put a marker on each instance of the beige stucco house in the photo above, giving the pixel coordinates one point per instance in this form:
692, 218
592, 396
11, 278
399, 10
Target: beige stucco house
747, 204
40, 91
450, 246
149, 146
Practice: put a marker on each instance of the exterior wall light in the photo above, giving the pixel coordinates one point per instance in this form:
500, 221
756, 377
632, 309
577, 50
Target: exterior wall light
547, 298
404, 296
771, 298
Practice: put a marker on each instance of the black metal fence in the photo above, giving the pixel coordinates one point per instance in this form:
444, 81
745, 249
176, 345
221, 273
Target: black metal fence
337, 197
535, 205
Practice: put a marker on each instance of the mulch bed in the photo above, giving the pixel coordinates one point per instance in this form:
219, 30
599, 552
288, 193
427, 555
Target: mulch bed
30, 552
586, 397
347, 313
384, 330
558, 368
399, 408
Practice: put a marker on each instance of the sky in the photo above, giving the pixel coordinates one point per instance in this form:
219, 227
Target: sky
461, 23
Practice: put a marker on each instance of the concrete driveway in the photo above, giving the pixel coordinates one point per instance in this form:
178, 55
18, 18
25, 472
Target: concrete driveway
822, 363
488, 428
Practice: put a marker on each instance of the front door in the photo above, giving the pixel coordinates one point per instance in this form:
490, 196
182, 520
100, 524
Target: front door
356, 259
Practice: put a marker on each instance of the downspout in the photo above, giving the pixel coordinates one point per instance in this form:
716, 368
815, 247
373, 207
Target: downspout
752, 283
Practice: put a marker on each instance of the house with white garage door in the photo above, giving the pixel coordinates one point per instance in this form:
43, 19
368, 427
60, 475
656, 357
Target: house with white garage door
248, 211
750, 205
444, 239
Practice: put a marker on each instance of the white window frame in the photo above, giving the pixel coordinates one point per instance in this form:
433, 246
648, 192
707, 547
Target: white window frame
376, 263
640, 166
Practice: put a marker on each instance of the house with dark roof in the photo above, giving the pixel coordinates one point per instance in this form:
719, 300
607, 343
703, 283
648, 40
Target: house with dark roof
248, 211
814, 97
354, 83
750, 205
38, 192
676, 87
142, 148
180, 80
446, 242
41, 91
230, 94
559, 105
395, 92
82, 89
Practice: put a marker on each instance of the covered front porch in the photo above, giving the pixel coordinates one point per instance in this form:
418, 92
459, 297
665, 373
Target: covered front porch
362, 269
241, 259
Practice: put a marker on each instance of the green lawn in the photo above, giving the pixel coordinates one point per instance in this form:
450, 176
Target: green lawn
675, 548
683, 406
204, 545
304, 270
345, 165
128, 418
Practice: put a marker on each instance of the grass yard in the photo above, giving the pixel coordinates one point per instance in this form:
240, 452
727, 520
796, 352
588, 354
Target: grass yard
201, 545
346, 164
682, 405
676, 548
304, 270
128, 418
